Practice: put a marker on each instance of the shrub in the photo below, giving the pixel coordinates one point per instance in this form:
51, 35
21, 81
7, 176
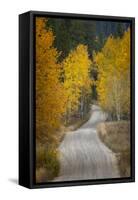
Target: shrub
47, 163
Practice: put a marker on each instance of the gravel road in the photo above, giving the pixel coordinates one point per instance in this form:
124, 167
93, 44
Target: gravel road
83, 155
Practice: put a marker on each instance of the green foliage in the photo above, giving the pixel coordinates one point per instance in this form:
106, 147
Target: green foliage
70, 33
120, 30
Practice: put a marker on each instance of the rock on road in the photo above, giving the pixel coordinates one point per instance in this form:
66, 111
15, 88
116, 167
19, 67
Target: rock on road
83, 155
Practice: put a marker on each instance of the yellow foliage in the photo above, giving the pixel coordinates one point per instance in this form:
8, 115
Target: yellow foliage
113, 84
76, 76
50, 93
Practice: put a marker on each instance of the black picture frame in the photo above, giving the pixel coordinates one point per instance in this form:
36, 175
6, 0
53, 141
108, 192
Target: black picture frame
27, 99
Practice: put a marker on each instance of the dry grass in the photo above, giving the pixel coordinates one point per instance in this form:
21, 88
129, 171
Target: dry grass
47, 155
47, 164
116, 135
41, 175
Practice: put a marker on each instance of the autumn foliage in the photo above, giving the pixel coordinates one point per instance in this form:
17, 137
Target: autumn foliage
59, 90
50, 93
59, 86
113, 84
76, 77
68, 82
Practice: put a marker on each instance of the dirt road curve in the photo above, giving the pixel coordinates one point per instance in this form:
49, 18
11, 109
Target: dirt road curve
84, 156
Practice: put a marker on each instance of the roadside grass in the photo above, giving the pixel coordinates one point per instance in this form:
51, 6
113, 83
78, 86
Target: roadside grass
116, 135
47, 164
47, 154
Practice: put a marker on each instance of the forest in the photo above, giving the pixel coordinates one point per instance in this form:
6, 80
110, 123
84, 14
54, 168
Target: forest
78, 63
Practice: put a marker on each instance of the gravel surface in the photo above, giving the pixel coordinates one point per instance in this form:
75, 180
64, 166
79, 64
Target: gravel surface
83, 155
